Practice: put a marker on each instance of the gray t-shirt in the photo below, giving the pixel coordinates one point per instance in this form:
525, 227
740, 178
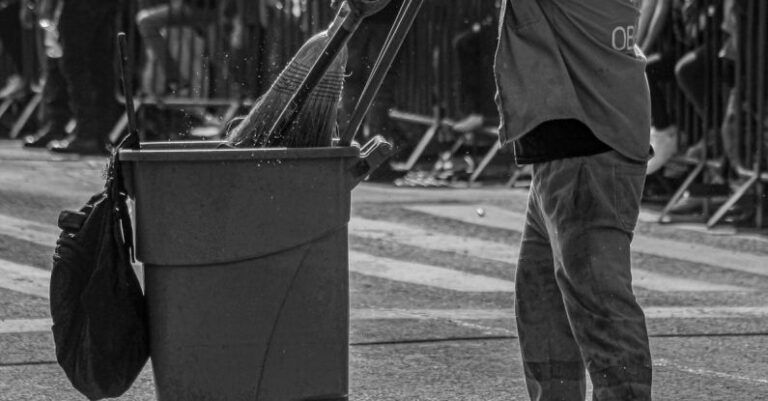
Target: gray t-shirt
574, 59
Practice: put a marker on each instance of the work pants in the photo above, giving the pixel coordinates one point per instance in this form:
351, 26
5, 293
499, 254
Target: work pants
574, 303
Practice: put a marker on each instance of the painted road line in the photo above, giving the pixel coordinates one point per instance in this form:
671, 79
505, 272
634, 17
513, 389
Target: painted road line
666, 363
25, 325
660, 312
401, 233
361, 263
468, 315
24, 279
497, 217
420, 274
432, 240
507, 253
37, 233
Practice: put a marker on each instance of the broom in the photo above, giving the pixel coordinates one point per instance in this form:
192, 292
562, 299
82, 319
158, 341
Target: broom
301, 108
315, 124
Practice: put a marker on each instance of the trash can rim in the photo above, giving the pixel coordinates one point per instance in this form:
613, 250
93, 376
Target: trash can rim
165, 155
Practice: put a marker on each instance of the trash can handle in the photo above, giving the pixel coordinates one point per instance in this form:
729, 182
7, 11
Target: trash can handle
372, 154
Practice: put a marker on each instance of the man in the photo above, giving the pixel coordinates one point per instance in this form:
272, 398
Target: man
574, 102
11, 44
87, 29
55, 109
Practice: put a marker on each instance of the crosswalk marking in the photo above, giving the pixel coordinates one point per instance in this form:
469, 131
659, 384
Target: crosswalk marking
24, 279
462, 315
25, 325
42, 234
36, 233
507, 253
413, 273
501, 218
418, 237
659, 312
433, 276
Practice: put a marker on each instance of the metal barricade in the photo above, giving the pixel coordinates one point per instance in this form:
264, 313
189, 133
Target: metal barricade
429, 90
720, 149
750, 114
698, 127
224, 53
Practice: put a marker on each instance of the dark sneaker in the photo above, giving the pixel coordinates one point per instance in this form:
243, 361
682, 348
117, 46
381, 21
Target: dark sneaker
43, 137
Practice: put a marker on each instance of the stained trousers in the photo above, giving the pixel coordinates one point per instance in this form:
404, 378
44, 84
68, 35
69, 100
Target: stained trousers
574, 306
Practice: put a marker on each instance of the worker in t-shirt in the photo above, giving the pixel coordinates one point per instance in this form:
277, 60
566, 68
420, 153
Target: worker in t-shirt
574, 102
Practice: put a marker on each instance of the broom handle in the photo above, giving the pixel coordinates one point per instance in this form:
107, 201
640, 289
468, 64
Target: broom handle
126, 74
392, 45
338, 39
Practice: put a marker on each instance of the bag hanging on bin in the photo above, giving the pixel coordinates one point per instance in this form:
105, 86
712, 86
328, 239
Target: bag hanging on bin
98, 309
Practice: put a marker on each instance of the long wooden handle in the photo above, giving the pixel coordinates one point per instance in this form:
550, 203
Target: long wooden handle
394, 41
126, 72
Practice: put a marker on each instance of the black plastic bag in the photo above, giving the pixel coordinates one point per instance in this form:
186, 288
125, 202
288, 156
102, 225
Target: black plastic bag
98, 308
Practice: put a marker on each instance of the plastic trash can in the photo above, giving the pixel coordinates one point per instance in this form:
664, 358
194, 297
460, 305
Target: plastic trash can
246, 267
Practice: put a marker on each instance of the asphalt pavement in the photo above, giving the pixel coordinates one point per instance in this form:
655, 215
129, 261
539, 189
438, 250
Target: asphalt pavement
431, 288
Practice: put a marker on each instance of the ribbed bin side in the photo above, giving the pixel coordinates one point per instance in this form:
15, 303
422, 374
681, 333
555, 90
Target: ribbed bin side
246, 269
190, 212
271, 328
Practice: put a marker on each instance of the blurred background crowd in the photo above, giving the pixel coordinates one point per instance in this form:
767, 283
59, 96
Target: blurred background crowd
198, 63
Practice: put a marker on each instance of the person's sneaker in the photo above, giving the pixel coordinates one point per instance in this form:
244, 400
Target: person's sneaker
43, 137
664, 143
14, 85
470, 123
75, 145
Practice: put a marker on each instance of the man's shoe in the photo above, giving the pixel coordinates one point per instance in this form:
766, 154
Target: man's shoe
470, 123
15, 85
75, 145
664, 143
43, 137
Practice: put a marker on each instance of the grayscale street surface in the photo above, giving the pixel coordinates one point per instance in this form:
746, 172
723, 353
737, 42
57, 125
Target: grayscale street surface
431, 289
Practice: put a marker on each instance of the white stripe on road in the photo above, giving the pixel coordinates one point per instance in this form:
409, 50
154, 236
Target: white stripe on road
25, 325
432, 276
24, 279
410, 235
508, 253
662, 282
361, 263
37, 233
664, 312
666, 363
46, 235
501, 218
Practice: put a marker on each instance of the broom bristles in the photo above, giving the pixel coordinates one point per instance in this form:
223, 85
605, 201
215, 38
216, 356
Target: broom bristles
315, 125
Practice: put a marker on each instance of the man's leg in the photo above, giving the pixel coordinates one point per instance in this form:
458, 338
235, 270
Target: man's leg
10, 40
150, 23
693, 77
88, 42
591, 206
551, 359
55, 108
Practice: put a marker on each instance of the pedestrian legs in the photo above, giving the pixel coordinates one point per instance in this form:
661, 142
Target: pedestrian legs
88, 41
